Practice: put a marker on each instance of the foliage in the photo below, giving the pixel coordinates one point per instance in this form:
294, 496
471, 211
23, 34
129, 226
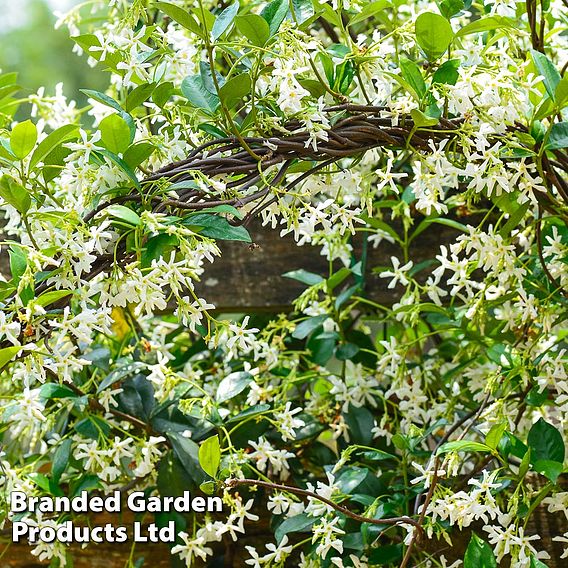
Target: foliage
362, 430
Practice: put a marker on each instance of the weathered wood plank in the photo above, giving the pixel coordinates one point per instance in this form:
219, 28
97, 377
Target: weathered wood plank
251, 278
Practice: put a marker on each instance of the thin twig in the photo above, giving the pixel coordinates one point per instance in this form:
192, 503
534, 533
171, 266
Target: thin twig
393, 521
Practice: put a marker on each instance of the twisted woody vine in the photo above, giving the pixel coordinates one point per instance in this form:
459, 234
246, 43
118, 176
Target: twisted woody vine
349, 432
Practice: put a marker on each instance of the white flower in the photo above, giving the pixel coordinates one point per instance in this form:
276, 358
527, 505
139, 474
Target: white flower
398, 274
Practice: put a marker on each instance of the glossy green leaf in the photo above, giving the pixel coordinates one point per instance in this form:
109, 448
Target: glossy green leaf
303, 10
463, 446
495, 434
124, 214
421, 120
139, 95
304, 277
306, 327
547, 70
433, 34
61, 459
489, 23
370, 10
479, 554
7, 354
194, 90
274, 14
181, 16
545, 442
297, 523
115, 133
210, 456
447, 73
232, 385
549, 468
224, 20
217, 227
62, 134
450, 8
103, 99
413, 76
255, 28
14, 194
47, 298
558, 137
23, 138
235, 89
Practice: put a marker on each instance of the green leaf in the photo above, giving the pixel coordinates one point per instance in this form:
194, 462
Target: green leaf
254, 28
224, 20
235, 89
297, 523
369, 11
489, 23
217, 227
450, 8
115, 133
158, 247
447, 73
378, 455
48, 485
421, 120
139, 95
361, 423
479, 554
433, 34
304, 277
256, 410
181, 16
413, 76
463, 446
346, 351
195, 91
549, 468
558, 137
7, 354
187, 451
122, 165
561, 92
210, 456
303, 10
124, 214
47, 298
495, 434
23, 138
232, 385
208, 487
138, 153
14, 194
162, 93
514, 219
61, 459
307, 326
548, 71
53, 139
545, 442
439, 220
55, 390
18, 262
103, 99
120, 373
274, 14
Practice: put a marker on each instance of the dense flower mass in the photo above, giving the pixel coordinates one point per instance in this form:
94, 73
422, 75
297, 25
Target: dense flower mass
369, 434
